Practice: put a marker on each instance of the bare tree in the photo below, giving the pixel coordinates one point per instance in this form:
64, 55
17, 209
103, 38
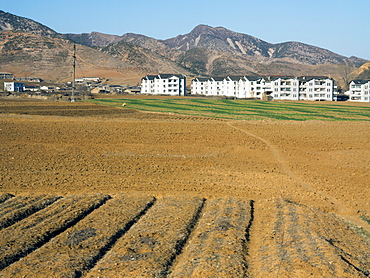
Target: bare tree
345, 70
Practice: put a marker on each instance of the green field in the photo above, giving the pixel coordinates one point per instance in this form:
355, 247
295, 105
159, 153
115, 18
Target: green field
245, 109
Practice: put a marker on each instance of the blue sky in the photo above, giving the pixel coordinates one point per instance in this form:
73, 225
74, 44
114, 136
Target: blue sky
338, 25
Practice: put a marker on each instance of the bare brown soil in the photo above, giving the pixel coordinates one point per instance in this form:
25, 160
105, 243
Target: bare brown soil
309, 182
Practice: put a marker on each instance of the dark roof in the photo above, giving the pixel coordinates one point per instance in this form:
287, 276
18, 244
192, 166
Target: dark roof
284, 77
253, 78
218, 78
359, 81
309, 78
149, 77
166, 76
256, 77
235, 78
163, 76
201, 79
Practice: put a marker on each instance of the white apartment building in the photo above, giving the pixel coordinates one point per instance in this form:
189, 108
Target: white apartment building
229, 86
220, 86
359, 90
253, 87
285, 88
280, 88
164, 84
200, 86
316, 88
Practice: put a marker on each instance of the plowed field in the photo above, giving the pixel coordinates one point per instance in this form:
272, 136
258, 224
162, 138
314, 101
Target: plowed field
93, 191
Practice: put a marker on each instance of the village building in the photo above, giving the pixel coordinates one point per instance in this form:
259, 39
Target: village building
6, 75
359, 90
49, 89
86, 80
14, 87
115, 89
280, 88
31, 88
132, 90
164, 84
29, 79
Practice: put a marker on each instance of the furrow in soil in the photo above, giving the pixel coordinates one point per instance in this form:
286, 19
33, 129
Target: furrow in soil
29, 234
149, 247
5, 196
28, 209
292, 240
218, 245
78, 248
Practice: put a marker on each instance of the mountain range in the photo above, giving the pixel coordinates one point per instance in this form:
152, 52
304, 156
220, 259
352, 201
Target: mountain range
30, 48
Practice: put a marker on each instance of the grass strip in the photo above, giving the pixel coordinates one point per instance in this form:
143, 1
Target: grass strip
32, 232
79, 247
242, 109
217, 247
151, 245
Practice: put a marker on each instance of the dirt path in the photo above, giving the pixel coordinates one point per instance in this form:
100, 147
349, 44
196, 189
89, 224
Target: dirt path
344, 211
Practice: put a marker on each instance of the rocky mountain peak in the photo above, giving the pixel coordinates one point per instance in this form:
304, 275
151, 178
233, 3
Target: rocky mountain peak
10, 22
94, 39
219, 39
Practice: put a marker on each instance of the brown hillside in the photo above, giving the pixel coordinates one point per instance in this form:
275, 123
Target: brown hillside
362, 72
26, 54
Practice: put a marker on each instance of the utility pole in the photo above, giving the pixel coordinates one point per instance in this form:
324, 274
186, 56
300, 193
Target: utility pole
74, 73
